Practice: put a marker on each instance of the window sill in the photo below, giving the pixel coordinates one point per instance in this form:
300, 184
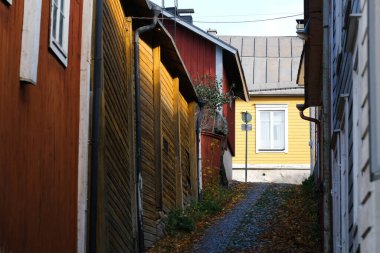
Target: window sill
272, 151
59, 53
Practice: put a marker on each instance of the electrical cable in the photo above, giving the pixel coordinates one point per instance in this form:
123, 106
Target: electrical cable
227, 22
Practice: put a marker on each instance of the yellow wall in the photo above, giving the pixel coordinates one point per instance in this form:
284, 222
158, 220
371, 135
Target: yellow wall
298, 134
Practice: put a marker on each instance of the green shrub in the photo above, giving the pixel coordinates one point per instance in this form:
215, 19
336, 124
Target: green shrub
179, 221
214, 199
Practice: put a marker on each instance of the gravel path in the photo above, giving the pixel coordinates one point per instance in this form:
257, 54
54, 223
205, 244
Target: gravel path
217, 237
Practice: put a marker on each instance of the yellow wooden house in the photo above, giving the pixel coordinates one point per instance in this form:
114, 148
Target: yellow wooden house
278, 144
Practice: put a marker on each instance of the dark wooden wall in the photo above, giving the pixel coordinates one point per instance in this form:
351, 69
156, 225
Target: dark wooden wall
168, 156
148, 154
185, 121
118, 166
39, 139
169, 175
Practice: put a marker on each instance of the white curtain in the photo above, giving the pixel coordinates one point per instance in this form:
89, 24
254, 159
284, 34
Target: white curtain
278, 124
265, 142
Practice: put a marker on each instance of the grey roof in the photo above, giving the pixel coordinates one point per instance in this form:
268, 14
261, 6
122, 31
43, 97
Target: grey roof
270, 63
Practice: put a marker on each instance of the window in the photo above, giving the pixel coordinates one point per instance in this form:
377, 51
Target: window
9, 1
59, 28
271, 128
374, 85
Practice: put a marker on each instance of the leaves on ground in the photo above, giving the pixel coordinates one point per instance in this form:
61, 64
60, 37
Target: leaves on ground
181, 241
283, 219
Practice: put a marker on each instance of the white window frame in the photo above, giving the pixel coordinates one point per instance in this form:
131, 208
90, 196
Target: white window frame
271, 107
374, 86
61, 51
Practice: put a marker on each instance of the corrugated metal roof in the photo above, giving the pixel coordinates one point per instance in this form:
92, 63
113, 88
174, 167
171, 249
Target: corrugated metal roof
270, 63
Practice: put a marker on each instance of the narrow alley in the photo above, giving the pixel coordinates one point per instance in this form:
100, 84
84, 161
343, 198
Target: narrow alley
134, 126
269, 217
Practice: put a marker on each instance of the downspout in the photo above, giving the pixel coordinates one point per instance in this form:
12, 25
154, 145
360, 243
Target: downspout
302, 108
98, 63
199, 154
138, 127
319, 183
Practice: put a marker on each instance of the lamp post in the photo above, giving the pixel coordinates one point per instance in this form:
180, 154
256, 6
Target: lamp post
246, 117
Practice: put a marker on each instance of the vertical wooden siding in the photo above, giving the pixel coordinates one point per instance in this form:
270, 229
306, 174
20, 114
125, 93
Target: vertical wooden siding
39, 139
185, 151
118, 159
197, 53
169, 176
148, 155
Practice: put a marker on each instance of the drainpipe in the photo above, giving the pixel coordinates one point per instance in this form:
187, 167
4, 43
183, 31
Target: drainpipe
302, 108
199, 155
138, 127
98, 63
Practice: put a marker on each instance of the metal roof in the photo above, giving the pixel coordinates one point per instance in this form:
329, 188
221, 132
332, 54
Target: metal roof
270, 64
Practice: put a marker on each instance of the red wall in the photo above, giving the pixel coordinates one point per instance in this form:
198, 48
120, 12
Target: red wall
39, 139
197, 53
199, 56
229, 113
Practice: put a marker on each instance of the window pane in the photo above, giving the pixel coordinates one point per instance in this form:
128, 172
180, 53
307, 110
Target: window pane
278, 130
264, 130
62, 5
55, 10
61, 19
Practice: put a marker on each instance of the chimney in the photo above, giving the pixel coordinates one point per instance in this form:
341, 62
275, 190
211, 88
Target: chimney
213, 32
179, 13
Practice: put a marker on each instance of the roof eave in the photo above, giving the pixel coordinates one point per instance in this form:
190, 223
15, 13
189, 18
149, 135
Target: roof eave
313, 54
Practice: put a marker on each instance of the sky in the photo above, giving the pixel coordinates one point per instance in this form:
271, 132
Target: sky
242, 11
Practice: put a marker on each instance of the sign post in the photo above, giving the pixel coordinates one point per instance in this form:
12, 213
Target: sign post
246, 117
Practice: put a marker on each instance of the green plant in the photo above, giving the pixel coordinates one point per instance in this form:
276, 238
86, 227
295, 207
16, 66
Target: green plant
214, 199
213, 99
179, 221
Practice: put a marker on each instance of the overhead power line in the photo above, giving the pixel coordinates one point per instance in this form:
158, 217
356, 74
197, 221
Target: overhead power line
249, 14
247, 21
228, 22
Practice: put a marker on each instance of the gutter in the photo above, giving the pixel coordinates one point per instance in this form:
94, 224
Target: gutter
96, 107
138, 127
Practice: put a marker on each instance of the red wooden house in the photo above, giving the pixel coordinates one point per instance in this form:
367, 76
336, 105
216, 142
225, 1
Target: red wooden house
204, 54
42, 157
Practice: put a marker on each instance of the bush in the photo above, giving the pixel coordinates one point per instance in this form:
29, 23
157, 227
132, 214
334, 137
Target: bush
214, 199
179, 221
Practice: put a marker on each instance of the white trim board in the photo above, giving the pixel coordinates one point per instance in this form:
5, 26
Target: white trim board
84, 123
